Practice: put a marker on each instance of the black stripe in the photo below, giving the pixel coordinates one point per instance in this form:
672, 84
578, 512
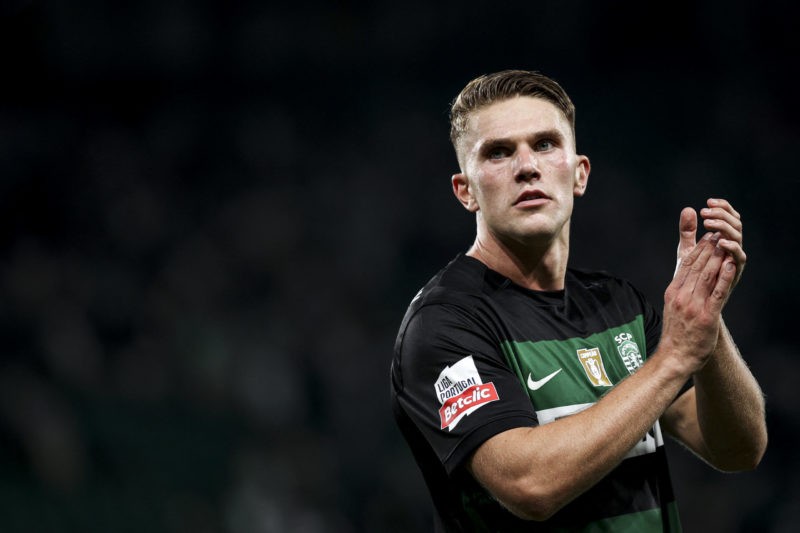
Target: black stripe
625, 490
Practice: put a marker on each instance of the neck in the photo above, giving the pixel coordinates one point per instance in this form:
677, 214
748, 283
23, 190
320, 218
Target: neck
538, 265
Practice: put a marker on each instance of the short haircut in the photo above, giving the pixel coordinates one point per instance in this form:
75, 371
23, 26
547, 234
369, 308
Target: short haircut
504, 85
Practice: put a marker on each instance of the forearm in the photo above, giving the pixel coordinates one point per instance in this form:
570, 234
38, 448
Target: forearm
730, 409
542, 469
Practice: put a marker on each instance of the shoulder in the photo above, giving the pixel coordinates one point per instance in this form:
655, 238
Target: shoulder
599, 280
606, 292
590, 278
451, 310
461, 283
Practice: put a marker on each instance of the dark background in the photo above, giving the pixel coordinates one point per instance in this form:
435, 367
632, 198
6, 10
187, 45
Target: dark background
213, 215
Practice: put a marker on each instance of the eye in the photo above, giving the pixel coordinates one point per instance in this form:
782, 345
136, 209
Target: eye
544, 145
498, 152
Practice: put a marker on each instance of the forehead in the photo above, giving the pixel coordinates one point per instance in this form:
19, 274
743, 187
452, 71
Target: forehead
517, 117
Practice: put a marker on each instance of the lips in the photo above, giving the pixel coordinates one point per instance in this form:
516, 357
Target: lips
531, 197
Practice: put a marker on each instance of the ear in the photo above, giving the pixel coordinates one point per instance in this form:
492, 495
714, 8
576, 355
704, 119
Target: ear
463, 191
582, 169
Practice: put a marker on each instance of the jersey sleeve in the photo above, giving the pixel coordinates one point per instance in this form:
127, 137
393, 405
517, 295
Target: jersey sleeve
454, 383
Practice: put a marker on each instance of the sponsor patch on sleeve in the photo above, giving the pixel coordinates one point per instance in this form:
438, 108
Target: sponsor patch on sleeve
461, 392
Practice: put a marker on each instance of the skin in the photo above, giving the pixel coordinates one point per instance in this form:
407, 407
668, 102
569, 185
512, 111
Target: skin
526, 144
502, 157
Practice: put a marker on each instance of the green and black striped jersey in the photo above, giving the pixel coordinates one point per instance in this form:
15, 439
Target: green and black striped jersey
477, 355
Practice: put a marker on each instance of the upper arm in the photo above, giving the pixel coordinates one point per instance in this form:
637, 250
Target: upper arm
456, 387
502, 466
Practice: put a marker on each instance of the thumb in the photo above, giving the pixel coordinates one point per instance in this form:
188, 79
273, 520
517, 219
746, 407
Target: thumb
688, 231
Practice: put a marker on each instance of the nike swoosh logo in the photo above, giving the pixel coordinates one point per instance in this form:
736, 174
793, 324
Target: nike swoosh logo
536, 385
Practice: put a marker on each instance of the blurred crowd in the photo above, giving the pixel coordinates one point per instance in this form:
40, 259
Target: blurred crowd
213, 218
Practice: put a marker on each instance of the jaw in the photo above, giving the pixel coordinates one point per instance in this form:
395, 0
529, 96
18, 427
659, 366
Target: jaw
537, 261
534, 234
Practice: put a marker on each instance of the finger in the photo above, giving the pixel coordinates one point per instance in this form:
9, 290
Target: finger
722, 204
737, 254
733, 218
728, 231
706, 278
722, 288
727, 223
735, 250
693, 262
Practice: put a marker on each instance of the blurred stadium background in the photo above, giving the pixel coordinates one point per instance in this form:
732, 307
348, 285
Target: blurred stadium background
213, 215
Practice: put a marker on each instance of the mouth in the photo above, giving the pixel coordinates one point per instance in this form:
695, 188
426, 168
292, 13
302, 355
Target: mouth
531, 198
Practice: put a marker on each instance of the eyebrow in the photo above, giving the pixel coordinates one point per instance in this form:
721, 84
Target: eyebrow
504, 141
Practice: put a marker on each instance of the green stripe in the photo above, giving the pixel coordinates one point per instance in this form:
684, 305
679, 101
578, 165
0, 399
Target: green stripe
641, 522
572, 385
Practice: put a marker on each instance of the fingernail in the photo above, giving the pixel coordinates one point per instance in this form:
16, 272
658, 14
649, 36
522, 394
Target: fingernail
729, 266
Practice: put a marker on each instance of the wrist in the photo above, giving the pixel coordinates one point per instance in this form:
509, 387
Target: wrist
673, 363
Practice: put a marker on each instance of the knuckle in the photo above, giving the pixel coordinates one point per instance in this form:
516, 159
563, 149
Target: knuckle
678, 304
728, 274
718, 294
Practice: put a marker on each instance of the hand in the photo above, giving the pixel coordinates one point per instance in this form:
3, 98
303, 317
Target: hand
694, 299
721, 219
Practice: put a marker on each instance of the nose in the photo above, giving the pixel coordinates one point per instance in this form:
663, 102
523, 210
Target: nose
526, 165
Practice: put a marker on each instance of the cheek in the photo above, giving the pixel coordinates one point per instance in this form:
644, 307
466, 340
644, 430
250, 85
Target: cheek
487, 186
562, 167
560, 162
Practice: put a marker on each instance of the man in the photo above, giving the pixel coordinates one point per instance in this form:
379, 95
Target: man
533, 395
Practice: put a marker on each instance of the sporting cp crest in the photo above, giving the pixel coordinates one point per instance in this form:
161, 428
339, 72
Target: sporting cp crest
629, 351
592, 363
